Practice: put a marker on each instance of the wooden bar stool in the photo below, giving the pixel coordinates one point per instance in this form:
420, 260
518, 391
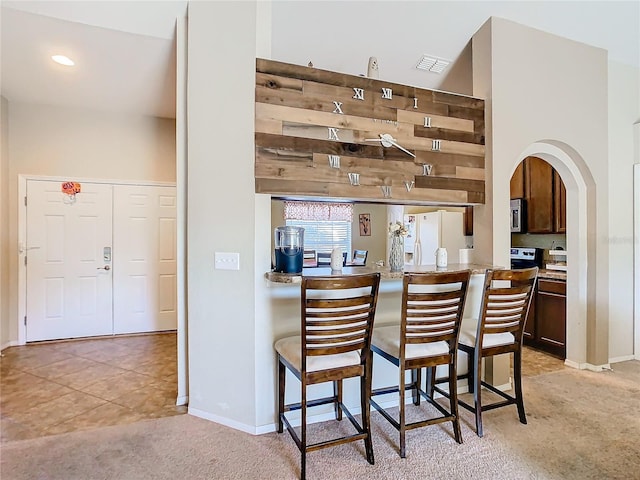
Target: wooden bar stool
432, 306
499, 330
335, 343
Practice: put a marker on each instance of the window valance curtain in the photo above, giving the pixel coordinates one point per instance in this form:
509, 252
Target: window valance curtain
316, 211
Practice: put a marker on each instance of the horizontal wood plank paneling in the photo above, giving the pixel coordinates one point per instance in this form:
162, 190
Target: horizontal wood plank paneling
314, 127
437, 121
470, 173
450, 183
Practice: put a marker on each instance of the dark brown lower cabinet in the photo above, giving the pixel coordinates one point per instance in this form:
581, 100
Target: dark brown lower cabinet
546, 327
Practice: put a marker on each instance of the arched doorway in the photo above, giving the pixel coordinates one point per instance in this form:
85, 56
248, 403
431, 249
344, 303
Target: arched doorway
538, 236
585, 334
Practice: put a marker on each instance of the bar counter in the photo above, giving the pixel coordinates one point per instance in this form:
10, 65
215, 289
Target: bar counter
283, 297
385, 274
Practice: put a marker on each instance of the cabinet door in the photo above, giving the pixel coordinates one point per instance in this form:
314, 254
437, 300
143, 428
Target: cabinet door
539, 195
517, 182
559, 204
551, 317
468, 221
529, 333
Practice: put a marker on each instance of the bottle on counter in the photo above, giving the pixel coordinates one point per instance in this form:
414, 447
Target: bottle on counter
441, 257
336, 259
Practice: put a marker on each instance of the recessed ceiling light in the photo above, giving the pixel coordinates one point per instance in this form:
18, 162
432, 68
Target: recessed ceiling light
63, 60
432, 64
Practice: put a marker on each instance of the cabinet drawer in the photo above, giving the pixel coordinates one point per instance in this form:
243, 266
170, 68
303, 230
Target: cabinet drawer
558, 287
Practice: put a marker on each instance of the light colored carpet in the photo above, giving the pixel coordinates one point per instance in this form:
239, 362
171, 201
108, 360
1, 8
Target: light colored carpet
582, 425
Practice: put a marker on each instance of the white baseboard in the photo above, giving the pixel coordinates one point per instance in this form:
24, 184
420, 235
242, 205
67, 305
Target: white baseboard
505, 386
7, 345
624, 358
184, 400
320, 417
587, 366
227, 422
325, 416
572, 364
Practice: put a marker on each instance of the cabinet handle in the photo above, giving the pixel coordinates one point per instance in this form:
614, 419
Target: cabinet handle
550, 294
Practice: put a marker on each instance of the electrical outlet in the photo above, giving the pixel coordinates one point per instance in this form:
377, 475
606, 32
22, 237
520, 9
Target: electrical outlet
227, 261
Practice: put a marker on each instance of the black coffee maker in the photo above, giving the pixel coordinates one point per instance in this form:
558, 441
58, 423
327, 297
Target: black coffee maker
289, 249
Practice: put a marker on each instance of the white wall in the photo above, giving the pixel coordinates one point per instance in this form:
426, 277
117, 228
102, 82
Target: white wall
624, 111
551, 93
5, 320
376, 244
222, 215
76, 143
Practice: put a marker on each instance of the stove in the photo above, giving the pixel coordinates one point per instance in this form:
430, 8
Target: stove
526, 257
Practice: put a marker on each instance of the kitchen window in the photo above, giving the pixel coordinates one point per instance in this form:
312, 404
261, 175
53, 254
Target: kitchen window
326, 225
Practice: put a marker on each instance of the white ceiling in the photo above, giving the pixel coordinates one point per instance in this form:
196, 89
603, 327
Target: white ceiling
125, 50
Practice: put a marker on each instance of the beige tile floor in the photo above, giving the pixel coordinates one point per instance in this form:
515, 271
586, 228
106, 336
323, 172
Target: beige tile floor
535, 362
58, 387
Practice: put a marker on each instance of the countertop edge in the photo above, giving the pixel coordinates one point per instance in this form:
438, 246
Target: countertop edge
552, 274
385, 274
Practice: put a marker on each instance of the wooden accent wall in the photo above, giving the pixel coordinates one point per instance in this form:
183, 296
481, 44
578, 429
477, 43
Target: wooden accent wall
296, 106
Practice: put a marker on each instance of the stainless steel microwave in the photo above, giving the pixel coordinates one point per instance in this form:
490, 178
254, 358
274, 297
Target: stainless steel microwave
517, 215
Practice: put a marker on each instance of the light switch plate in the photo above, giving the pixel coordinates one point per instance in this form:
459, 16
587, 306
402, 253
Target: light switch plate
227, 261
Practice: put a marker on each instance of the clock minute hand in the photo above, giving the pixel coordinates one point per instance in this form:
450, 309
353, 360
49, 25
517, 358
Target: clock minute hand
387, 140
401, 148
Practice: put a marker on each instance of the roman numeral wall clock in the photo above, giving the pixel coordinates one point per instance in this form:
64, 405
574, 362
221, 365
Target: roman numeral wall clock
317, 130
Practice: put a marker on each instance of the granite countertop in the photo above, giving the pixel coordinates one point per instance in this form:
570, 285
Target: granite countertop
385, 274
552, 274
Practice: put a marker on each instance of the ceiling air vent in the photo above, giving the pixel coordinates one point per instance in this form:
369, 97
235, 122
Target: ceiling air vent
432, 64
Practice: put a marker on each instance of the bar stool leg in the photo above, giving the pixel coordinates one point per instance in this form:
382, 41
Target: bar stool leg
303, 433
477, 397
365, 405
470, 370
517, 378
453, 400
431, 381
337, 394
401, 391
416, 382
282, 375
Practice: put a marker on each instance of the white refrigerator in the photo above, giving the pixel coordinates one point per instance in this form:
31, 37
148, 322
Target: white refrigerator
430, 231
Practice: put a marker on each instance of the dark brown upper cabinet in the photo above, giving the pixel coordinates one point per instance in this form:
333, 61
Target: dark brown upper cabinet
559, 204
468, 220
540, 185
517, 182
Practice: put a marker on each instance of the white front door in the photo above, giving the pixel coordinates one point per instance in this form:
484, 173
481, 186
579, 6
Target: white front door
144, 282
69, 289
103, 264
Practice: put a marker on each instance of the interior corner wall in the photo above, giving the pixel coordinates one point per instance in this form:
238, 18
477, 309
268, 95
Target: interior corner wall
483, 234
624, 111
537, 95
80, 143
459, 77
222, 212
4, 226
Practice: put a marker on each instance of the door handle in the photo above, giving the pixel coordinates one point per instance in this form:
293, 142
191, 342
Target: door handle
106, 267
22, 248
